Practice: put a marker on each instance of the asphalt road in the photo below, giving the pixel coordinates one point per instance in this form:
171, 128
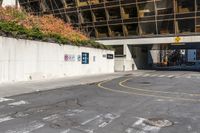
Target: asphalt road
142, 102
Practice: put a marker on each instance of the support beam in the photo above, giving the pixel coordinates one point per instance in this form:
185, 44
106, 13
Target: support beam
155, 40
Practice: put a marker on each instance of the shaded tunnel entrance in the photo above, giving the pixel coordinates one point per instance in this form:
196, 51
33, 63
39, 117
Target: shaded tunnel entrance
157, 56
176, 56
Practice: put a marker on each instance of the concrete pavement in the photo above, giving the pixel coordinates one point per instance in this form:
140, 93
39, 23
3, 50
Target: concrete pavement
16, 88
141, 102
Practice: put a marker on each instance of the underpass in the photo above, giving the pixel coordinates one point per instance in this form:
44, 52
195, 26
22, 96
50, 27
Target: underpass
155, 52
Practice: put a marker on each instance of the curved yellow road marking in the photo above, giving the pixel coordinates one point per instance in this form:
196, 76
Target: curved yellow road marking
142, 94
153, 91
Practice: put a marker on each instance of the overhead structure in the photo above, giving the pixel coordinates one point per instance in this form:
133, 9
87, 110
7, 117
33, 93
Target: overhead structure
123, 18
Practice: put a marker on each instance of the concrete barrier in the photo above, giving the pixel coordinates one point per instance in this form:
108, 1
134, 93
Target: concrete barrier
22, 60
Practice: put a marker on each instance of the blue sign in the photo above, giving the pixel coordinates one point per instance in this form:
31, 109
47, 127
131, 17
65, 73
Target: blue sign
85, 58
79, 58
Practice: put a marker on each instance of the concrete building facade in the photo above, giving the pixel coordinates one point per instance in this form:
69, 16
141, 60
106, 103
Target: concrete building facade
133, 27
123, 18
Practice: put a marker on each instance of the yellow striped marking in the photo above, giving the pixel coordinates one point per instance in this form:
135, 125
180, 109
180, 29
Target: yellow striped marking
154, 91
100, 85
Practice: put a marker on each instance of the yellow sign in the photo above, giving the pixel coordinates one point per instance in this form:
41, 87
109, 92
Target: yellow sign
177, 39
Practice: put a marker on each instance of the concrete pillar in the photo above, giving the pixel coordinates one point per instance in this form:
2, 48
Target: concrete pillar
127, 51
154, 55
128, 61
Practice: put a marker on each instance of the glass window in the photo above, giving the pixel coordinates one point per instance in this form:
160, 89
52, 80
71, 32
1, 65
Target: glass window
148, 28
165, 27
198, 5
132, 29
114, 13
130, 11
164, 7
146, 9
198, 25
186, 25
116, 30
185, 6
102, 31
99, 14
87, 16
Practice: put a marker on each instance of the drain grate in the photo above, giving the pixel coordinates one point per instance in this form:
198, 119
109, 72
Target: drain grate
158, 122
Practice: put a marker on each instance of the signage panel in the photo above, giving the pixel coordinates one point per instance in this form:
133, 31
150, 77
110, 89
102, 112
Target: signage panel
68, 57
110, 56
85, 58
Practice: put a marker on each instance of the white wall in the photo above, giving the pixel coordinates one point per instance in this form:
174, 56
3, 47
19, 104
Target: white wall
22, 60
123, 64
130, 62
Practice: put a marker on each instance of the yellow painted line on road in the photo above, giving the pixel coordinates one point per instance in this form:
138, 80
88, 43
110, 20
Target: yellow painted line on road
153, 91
100, 85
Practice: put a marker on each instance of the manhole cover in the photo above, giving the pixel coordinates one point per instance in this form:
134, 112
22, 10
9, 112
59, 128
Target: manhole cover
146, 83
158, 122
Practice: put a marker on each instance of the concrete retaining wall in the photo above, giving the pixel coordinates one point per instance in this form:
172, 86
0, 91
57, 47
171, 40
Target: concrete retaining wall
22, 60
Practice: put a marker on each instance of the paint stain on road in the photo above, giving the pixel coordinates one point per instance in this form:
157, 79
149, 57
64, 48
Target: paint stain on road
140, 127
18, 103
7, 118
4, 99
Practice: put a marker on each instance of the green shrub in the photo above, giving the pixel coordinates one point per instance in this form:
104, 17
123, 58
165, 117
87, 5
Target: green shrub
18, 31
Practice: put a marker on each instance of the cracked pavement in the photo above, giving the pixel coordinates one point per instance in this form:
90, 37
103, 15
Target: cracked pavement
121, 105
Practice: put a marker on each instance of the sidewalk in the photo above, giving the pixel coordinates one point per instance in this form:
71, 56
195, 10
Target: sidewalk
182, 68
18, 88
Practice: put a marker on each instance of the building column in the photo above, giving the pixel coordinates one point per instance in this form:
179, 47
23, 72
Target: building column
129, 64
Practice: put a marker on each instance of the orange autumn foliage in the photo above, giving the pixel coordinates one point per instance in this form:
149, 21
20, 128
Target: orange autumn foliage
47, 24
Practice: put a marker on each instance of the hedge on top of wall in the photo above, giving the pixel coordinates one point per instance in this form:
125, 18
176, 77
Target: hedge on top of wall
19, 24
